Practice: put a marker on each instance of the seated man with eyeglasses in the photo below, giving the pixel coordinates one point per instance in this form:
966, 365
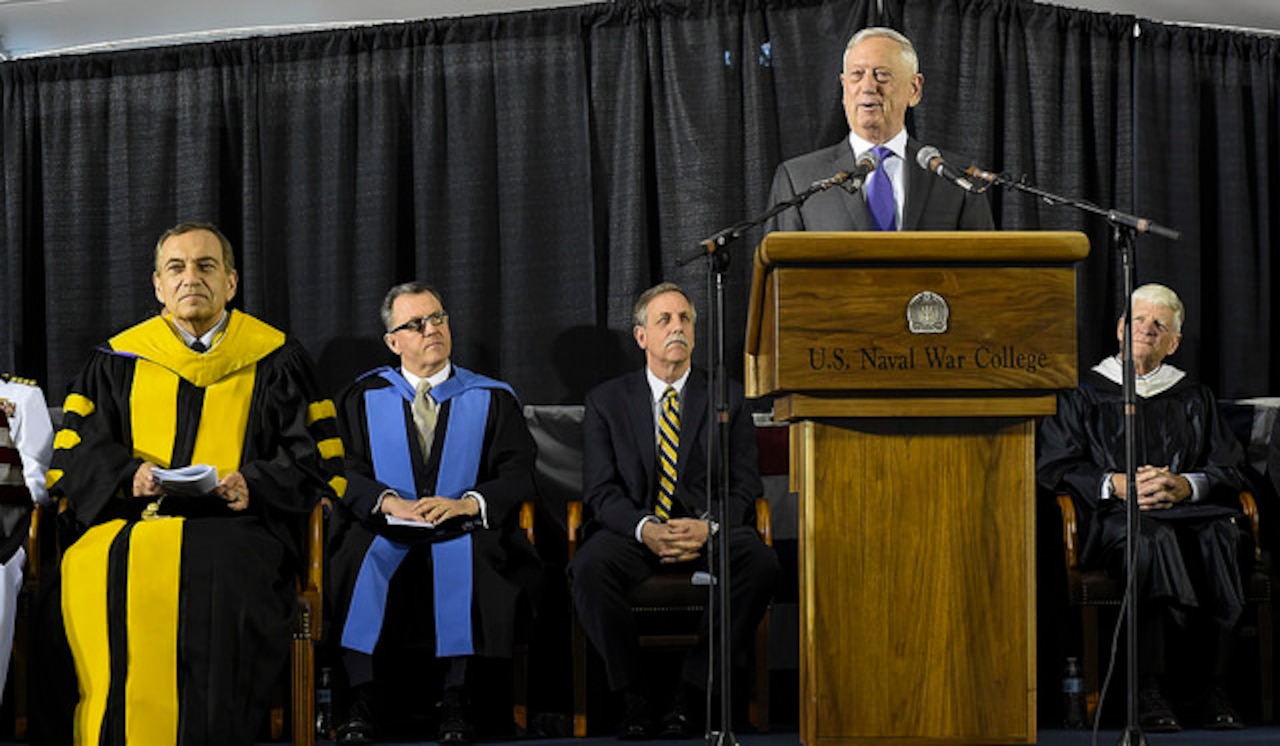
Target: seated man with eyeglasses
426, 546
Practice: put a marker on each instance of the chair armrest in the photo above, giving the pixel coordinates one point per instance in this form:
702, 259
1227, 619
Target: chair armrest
1250, 508
313, 575
573, 525
526, 519
764, 521
1070, 531
31, 576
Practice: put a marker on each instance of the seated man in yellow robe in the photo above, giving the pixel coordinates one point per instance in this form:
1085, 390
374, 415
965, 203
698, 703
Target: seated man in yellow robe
177, 597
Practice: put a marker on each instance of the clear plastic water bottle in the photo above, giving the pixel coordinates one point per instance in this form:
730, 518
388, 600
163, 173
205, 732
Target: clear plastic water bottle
1073, 709
324, 705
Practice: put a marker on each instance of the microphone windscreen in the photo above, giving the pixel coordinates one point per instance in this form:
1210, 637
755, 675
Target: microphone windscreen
926, 156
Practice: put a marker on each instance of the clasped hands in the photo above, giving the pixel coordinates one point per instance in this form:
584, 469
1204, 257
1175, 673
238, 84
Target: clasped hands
1157, 487
432, 509
676, 540
232, 488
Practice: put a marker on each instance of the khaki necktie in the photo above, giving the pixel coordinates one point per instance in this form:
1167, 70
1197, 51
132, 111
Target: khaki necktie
424, 417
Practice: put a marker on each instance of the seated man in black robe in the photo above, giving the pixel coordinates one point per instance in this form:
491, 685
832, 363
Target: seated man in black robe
1187, 487
426, 545
178, 597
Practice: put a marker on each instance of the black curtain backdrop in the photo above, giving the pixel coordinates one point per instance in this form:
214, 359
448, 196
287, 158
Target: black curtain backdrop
542, 168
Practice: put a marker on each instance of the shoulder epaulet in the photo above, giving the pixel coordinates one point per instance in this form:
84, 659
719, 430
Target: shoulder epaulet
18, 379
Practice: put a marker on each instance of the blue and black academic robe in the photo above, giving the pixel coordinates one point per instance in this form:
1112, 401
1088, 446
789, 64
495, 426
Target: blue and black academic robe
180, 625
399, 576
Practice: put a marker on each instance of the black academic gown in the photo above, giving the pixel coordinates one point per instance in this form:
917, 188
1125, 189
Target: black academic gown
1188, 555
505, 565
214, 626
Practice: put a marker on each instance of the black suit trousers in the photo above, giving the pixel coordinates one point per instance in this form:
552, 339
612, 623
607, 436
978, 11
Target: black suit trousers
609, 565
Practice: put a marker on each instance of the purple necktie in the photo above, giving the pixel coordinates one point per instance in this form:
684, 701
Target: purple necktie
880, 202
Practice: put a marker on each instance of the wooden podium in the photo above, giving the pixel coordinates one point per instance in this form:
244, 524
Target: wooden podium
912, 367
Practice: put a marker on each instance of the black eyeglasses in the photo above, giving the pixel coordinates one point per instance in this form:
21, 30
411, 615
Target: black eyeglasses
419, 325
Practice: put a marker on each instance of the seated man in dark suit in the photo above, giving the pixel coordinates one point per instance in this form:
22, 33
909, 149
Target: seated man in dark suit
1187, 488
880, 80
645, 449
427, 537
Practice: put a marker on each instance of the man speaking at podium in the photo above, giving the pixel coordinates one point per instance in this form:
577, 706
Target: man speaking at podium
880, 80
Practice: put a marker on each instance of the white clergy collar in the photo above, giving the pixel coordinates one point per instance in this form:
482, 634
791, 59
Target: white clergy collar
1156, 382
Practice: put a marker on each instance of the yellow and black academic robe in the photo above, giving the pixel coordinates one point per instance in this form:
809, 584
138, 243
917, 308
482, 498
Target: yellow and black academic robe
180, 625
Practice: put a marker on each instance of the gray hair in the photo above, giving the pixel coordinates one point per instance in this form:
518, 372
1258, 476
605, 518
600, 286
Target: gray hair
404, 288
1160, 295
908, 49
228, 256
641, 309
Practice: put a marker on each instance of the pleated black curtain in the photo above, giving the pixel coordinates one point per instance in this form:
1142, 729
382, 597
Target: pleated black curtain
1208, 155
542, 168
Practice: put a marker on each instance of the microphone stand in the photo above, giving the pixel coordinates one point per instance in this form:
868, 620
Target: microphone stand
714, 249
1124, 229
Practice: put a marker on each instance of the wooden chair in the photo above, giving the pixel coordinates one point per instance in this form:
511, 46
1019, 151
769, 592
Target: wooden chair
670, 594
302, 658
306, 633
310, 585
1090, 591
41, 523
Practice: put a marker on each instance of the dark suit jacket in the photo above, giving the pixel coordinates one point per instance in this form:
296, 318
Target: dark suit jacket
619, 462
932, 203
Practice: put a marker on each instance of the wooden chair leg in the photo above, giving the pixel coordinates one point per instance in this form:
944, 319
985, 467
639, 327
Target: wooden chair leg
1089, 662
579, 679
19, 669
759, 708
303, 693
520, 688
1266, 661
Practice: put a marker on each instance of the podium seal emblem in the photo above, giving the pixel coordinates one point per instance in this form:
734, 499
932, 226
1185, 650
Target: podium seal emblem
927, 313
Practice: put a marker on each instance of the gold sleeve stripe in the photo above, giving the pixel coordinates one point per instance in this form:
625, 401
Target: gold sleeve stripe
330, 448
65, 439
320, 410
52, 477
339, 486
78, 404
152, 611
84, 611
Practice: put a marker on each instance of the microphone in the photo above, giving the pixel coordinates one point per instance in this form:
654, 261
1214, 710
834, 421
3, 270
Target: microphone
931, 160
850, 181
867, 162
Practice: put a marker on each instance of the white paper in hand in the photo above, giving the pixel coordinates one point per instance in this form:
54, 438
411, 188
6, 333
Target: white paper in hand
393, 521
189, 481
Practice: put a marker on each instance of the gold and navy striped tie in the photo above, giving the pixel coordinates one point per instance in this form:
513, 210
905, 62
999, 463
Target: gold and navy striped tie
668, 447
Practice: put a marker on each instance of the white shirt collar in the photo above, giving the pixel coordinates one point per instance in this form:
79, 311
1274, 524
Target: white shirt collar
657, 386
897, 143
436, 379
208, 337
